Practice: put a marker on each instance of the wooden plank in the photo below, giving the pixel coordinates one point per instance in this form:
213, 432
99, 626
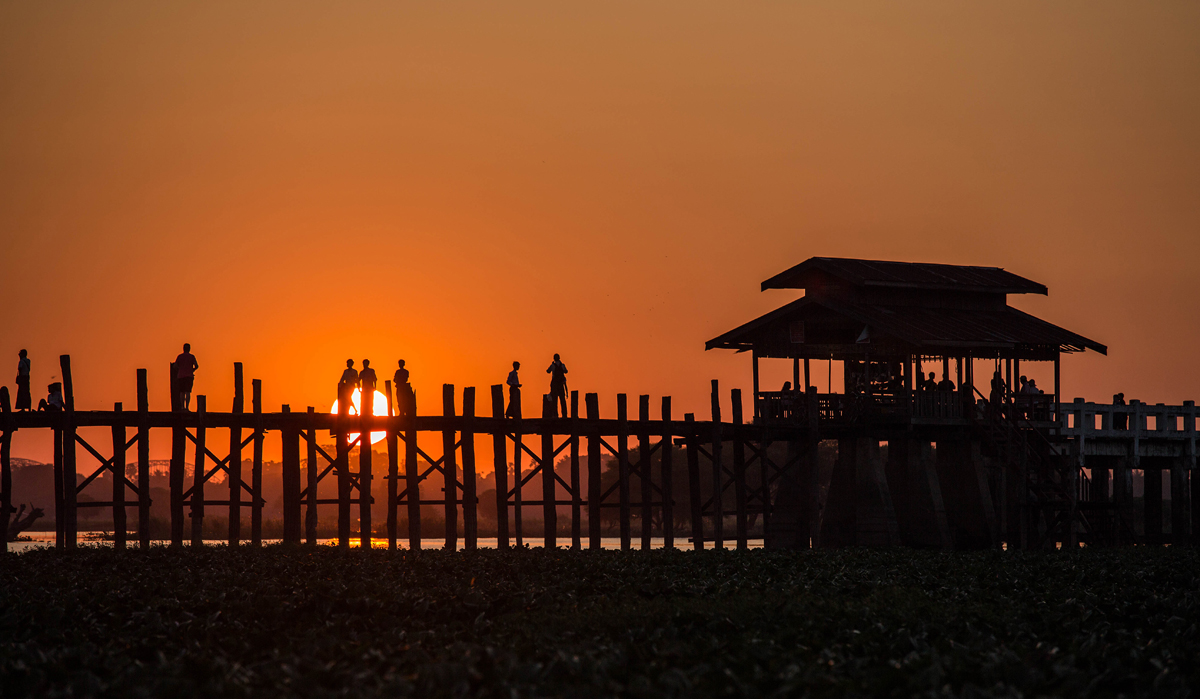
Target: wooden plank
412, 475
393, 477
549, 511
718, 478
366, 409
739, 470
5, 467
592, 406
450, 469
70, 473
197, 472
310, 509
623, 470
143, 482
470, 499
694, 497
645, 472
290, 455
576, 500
234, 475
500, 467
665, 477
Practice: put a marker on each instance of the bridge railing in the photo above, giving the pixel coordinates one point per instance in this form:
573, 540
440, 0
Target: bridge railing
1137, 419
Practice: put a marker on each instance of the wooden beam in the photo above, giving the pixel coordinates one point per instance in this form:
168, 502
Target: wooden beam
256, 466
290, 455
623, 470
576, 501
693, 464
718, 479
592, 405
644, 469
143, 403
412, 479
70, 474
365, 470
5, 467
665, 476
739, 470
549, 511
450, 470
233, 473
393, 476
310, 507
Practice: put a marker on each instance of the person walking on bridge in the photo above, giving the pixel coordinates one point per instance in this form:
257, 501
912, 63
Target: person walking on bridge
185, 376
558, 385
24, 397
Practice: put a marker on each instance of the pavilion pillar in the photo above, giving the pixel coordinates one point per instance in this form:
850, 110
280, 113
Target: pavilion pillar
859, 509
755, 364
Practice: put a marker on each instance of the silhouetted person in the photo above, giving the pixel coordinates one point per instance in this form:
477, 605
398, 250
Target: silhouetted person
514, 393
24, 397
1120, 417
346, 386
945, 384
367, 382
53, 402
930, 384
404, 391
558, 385
996, 394
185, 376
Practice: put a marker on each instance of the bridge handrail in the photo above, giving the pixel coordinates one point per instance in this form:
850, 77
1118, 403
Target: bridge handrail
1078, 419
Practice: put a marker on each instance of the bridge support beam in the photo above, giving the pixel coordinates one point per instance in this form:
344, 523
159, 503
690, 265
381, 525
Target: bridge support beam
970, 513
917, 494
859, 510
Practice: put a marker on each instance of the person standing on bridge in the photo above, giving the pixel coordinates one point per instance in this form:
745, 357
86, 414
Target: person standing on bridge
185, 376
24, 397
558, 385
346, 386
367, 381
514, 393
404, 391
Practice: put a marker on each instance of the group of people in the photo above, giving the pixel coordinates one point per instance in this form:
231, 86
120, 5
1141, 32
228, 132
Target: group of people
932, 384
558, 388
53, 401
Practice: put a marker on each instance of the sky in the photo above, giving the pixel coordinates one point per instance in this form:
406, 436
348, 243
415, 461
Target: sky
463, 184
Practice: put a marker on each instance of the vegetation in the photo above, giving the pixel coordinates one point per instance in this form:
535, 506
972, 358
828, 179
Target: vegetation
325, 622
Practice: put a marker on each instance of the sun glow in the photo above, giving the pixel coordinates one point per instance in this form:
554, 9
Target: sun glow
379, 407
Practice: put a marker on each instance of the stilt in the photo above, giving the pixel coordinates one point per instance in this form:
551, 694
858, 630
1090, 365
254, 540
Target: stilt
256, 466
549, 487
592, 405
234, 470
665, 476
143, 467
198, 469
644, 470
623, 470
500, 466
695, 505
450, 469
470, 500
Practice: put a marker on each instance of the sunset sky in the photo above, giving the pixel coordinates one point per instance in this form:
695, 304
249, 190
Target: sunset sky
464, 184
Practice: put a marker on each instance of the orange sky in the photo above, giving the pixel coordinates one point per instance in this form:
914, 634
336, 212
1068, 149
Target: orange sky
291, 184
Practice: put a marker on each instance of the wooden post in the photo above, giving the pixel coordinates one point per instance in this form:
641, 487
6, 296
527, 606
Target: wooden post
694, 498
549, 511
1057, 390
718, 479
197, 472
644, 470
6, 466
518, 529
623, 469
754, 395
60, 508
412, 474
342, 468
366, 413
118, 488
739, 470
393, 476
664, 479
175, 474
500, 466
450, 468
290, 454
256, 466
143, 484
70, 475
576, 500
470, 500
796, 374
310, 509
234, 473
807, 380
592, 406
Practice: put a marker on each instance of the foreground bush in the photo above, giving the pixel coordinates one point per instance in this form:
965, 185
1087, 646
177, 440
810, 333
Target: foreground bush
533, 623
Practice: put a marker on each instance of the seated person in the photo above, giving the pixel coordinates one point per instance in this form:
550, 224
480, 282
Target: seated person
54, 401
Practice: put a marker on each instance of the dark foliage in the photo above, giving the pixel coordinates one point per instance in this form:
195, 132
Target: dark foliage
654, 624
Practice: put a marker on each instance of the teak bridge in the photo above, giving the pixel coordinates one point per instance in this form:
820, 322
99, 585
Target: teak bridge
964, 469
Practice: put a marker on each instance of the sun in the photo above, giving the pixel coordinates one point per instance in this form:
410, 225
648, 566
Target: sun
380, 407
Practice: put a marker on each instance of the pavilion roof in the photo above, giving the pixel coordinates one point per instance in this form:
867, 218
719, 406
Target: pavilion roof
921, 327
906, 275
